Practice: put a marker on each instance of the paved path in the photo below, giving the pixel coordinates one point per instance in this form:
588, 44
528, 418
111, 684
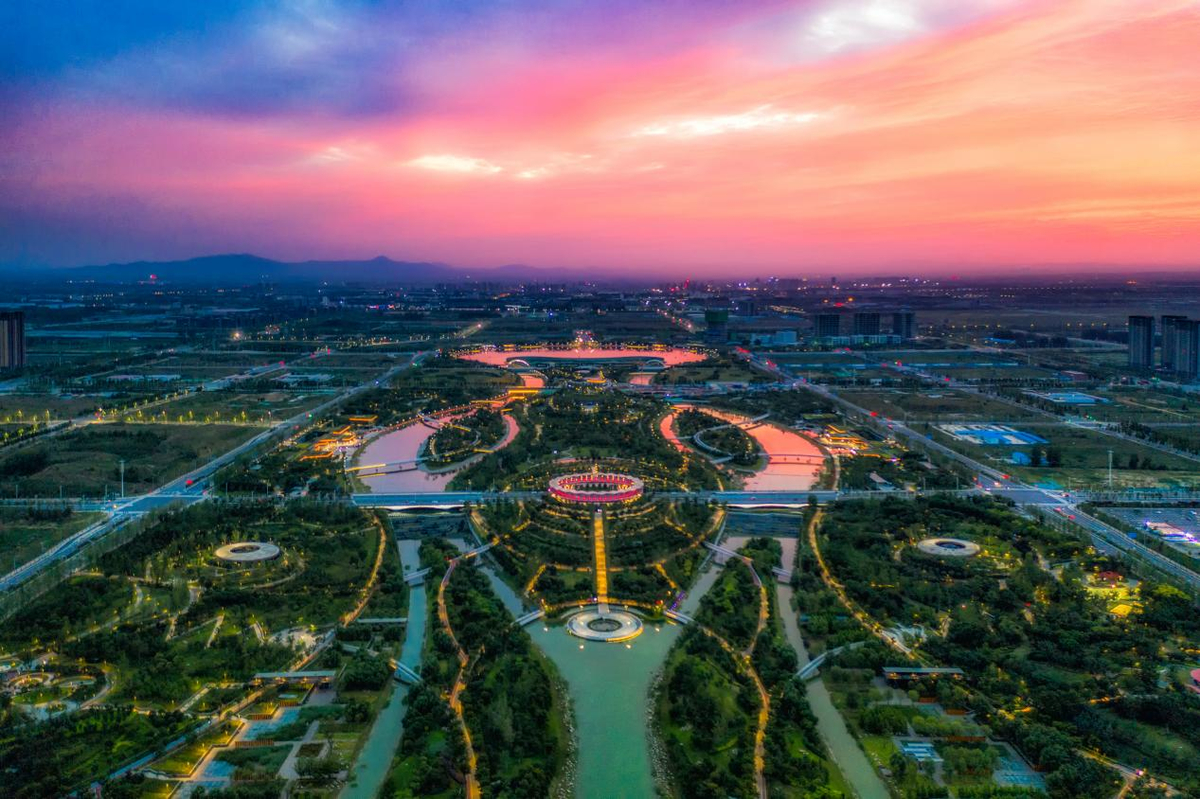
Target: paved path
288, 769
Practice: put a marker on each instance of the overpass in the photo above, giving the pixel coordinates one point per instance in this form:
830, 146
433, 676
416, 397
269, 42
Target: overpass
451, 500
187, 488
1103, 536
435, 499
1022, 495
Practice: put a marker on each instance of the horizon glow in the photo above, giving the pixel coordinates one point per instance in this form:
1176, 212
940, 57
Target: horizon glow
701, 138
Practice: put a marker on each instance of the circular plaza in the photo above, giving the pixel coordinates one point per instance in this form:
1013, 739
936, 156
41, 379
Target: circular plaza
949, 547
596, 488
609, 626
244, 553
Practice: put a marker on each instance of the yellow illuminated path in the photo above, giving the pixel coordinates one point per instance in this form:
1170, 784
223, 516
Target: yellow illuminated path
460, 683
601, 561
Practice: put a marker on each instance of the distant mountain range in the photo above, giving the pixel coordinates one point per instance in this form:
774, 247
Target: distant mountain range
243, 268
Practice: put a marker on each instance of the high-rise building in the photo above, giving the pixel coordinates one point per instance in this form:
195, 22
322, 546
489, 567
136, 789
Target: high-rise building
904, 325
827, 325
717, 320
1169, 344
866, 323
12, 339
1187, 348
1141, 342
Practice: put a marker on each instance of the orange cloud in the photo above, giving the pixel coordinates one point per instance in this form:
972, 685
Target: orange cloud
1042, 132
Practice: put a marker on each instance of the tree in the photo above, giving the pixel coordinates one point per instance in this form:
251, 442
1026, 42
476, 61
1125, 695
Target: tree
321, 771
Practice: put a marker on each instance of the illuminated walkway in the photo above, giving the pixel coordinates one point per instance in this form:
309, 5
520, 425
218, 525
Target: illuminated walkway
601, 562
460, 682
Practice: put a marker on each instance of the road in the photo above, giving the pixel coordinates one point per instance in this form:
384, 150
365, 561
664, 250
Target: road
192, 487
185, 489
997, 483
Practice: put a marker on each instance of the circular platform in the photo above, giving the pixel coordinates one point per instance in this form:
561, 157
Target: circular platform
613, 626
595, 487
247, 552
949, 547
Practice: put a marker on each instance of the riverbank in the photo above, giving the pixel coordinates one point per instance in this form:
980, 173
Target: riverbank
794, 462
843, 749
370, 770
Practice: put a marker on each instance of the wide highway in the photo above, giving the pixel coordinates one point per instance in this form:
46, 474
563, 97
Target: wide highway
185, 489
997, 483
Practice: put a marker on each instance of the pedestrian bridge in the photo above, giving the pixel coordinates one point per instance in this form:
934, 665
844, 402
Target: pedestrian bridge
531, 617
416, 578
813, 666
406, 675
391, 467
479, 550
729, 553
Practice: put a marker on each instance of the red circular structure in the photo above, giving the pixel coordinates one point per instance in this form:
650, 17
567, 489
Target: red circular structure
596, 487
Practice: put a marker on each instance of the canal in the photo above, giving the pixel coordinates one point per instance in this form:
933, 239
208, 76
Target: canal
609, 686
375, 759
844, 750
406, 444
793, 461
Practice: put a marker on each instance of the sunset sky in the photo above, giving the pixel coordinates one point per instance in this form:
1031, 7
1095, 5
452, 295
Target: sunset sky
683, 137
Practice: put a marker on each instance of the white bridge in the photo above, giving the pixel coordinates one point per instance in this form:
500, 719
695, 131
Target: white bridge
406, 675
531, 617
813, 666
418, 577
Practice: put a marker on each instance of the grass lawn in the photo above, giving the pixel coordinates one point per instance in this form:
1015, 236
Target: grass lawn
719, 371
988, 373
22, 538
74, 606
1134, 742
1141, 405
1084, 461
955, 357
263, 407
183, 760
879, 748
16, 408
86, 461
935, 405
156, 789
260, 762
404, 769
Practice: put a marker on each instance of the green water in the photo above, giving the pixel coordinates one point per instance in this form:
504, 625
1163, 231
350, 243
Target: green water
844, 750
609, 686
375, 758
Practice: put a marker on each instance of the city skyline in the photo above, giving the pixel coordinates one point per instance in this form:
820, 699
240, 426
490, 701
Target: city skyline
678, 139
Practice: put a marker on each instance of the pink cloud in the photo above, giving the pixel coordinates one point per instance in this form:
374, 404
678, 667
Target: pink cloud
1041, 132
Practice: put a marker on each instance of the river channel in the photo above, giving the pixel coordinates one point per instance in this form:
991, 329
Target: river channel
609, 686
793, 461
405, 445
375, 759
844, 750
